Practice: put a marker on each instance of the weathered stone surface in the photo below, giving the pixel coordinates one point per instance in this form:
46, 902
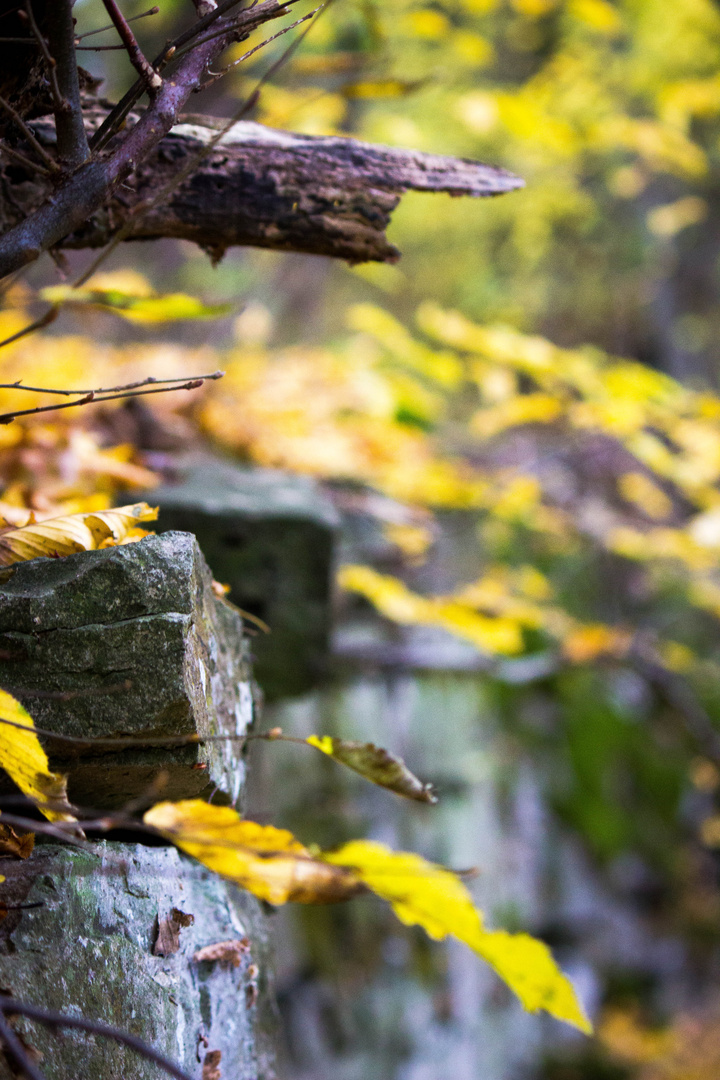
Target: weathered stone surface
138, 645
88, 951
270, 537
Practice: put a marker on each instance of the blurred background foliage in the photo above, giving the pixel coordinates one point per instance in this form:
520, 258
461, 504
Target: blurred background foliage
524, 408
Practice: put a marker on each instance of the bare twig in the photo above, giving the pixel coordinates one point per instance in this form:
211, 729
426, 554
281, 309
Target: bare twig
115, 118
50, 61
110, 26
194, 160
150, 381
93, 1027
31, 166
90, 186
191, 384
23, 127
49, 317
144, 69
219, 74
15, 1050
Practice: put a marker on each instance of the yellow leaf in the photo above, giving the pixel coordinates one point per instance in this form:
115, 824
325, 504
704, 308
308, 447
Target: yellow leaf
434, 898
24, 760
139, 309
376, 765
75, 532
268, 862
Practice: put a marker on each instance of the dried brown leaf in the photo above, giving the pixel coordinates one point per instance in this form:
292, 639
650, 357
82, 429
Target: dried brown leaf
223, 952
168, 937
15, 844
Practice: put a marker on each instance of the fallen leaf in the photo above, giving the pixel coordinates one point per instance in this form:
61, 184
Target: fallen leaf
268, 862
223, 952
75, 532
18, 844
168, 937
211, 1065
375, 764
24, 760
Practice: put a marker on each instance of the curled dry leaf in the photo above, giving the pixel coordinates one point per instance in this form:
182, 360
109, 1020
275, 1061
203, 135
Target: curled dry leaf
168, 937
24, 760
59, 536
19, 845
377, 765
223, 952
268, 862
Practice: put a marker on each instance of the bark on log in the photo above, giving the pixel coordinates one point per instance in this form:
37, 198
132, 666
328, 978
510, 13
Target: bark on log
266, 188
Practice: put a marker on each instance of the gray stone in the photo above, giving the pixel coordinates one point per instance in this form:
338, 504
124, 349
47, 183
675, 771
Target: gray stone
88, 951
270, 537
129, 641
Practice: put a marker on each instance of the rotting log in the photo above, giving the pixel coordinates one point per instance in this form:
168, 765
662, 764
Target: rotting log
261, 187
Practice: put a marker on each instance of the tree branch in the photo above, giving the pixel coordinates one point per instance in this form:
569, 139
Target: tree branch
71, 139
92, 183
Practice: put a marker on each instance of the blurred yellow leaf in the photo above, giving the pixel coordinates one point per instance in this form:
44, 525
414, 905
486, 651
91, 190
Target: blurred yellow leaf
434, 898
268, 862
171, 307
274, 866
376, 765
24, 760
75, 532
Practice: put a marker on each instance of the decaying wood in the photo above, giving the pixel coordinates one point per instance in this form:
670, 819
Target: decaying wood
268, 188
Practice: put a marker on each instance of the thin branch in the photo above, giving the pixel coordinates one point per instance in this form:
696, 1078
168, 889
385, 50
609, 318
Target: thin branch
49, 317
50, 61
15, 1050
219, 74
150, 381
194, 160
69, 123
110, 26
145, 70
93, 1027
7, 418
91, 185
23, 127
31, 166
115, 118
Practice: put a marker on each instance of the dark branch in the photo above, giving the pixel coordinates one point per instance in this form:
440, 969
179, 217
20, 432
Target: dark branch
71, 139
90, 186
93, 1027
144, 69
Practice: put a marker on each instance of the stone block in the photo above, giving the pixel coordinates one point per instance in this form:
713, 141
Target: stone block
89, 951
129, 641
270, 537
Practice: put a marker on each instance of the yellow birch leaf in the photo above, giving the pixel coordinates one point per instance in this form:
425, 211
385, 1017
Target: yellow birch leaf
434, 898
24, 760
375, 764
268, 862
135, 308
59, 536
